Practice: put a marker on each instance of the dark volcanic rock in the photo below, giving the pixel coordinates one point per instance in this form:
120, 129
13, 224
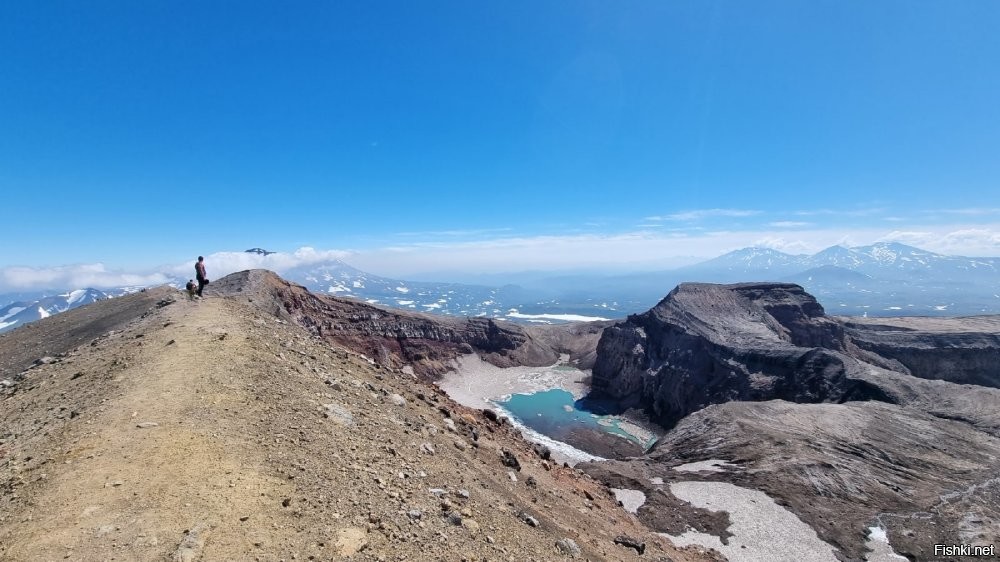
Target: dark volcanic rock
509, 460
887, 430
629, 542
707, 344
844, 468
933, 348
601, 443
542, 451
710, 344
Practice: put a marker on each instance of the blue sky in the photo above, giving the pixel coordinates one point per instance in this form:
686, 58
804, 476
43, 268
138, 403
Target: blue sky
439, 136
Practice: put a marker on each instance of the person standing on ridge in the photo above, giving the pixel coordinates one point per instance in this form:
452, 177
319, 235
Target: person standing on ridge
199, 269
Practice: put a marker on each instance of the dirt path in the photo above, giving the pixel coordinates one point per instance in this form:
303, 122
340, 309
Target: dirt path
269, 444
119, 484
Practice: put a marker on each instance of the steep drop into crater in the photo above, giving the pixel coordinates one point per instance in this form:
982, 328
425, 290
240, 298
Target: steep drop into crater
852, 424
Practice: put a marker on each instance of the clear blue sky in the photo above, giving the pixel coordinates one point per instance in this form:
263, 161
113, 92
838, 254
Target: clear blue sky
139, 133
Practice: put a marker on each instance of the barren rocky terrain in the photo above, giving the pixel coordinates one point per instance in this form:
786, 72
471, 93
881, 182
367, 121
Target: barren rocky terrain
396, 338
268, 423
853, 424
152, 427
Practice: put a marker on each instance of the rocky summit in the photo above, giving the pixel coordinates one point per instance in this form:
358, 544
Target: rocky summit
858, 426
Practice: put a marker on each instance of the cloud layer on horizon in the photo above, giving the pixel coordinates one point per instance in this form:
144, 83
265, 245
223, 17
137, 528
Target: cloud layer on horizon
74, 276
629, 251
221, 264
650, 250
98, 276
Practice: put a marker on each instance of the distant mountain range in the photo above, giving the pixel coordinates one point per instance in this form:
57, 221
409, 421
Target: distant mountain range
884, 279
18, 309
882, 260
455, 299
21, 312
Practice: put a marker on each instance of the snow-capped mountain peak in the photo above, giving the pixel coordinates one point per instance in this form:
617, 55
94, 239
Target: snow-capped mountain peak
15, 314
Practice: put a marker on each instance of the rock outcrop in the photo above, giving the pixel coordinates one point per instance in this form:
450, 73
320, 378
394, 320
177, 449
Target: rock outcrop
710, 344
707, 344
960, 350
841, 468
396, 338
850, 423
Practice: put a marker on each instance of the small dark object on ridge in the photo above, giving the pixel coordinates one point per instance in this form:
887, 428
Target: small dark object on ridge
542, 451
510, 460
629, 542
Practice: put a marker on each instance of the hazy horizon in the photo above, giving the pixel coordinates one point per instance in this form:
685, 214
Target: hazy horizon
98, 275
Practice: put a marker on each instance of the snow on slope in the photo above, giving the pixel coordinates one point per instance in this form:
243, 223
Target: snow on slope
17, 314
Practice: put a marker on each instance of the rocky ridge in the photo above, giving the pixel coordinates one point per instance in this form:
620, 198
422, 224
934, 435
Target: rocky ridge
850, 423
396, 338
709, 344
155, 427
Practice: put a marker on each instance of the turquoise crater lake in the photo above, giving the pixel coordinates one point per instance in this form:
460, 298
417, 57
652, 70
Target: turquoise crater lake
556, 414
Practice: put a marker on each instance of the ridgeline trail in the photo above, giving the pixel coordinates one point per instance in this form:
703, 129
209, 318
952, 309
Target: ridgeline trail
213, 430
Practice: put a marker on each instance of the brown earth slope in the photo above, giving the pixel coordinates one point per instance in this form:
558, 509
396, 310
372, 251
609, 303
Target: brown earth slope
395, 338
169, 429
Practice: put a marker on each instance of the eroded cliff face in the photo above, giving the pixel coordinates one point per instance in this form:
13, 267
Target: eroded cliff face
948, 349
396, 338
851, 423
710, 344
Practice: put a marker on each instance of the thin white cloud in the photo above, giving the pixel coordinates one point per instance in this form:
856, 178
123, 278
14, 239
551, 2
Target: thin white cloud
788, 224
221, 264
972, 211
94, 275
784, 245
653, 249
455, 233
978, 242
628, 250
700, 214
648, 249
863, 212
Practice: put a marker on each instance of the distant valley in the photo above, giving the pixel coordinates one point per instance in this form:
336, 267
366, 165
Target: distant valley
884, 279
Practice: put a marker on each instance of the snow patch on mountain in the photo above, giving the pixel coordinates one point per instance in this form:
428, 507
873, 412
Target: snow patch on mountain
513, 313
19, 313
